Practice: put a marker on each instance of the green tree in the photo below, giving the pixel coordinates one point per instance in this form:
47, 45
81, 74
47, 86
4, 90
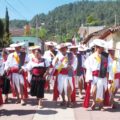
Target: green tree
1, 32
33, 31
42, 32
6, 39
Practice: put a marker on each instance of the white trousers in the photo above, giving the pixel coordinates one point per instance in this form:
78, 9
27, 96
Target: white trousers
78, 79
101, 84
63, 81
17, 80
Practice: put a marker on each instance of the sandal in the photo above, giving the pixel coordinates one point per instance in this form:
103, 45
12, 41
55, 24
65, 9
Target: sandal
69, 104
63, 103
92, 107
18, 101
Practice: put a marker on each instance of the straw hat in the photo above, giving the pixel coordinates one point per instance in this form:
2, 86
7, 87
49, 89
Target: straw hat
14, 45
99, 42
34, 47
50, 43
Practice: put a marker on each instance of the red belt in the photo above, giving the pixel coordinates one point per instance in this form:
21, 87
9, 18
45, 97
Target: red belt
64, 71
96, 73
81, 69
117, 76
14, 70
37, 71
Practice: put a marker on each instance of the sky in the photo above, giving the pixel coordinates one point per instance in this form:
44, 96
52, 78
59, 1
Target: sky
26, 9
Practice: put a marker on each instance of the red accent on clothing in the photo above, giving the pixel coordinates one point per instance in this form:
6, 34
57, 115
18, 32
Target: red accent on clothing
1, 100
25, 85
87, 96
55, 73
107, 98
55, 90
73, 95
117, 76
16, 70
1, 81
96, 73
36, 71
64, 71
47, 83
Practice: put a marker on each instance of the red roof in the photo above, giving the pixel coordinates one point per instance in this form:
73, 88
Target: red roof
102, 33
17, 32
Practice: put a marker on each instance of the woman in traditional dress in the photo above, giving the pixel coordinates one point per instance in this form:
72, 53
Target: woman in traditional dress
38, 67
4, 77
1, 83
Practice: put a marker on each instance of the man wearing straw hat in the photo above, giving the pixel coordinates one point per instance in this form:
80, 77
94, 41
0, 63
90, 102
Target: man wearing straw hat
64, 66
13, 66
114, 73
96, 74
50, 55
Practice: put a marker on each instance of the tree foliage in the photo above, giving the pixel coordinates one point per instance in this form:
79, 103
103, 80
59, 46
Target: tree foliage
6, 38
1, 32
66, 19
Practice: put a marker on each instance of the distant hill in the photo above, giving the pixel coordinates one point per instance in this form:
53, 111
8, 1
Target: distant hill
18, 23
66, 19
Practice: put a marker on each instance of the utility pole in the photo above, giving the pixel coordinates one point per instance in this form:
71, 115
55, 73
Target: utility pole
115, 20
36, 22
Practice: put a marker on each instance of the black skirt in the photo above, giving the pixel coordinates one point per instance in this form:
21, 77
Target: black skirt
37, 87
6, 84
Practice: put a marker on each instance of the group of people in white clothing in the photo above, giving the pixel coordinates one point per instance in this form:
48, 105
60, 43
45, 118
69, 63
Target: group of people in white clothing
96, 70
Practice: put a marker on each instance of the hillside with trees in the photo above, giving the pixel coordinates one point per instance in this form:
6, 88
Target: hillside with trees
64, 21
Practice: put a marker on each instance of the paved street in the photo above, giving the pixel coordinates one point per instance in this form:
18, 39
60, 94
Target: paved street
52, 111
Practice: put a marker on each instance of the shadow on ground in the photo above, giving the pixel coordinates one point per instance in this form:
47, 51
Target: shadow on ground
4, 112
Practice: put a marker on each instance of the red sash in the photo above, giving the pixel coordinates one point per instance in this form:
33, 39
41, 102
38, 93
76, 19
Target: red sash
16, 70
117, 76
1, 100
96, 73
64, 71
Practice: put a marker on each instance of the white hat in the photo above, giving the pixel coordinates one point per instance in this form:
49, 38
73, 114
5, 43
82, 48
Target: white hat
73, 46
50, 43
68, 44
14, 45
81, 49
21, 43
34, 47
62, 45
91, 45
99, 42
10, 48
17, 44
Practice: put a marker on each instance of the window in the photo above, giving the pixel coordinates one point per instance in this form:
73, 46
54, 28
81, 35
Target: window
31, 44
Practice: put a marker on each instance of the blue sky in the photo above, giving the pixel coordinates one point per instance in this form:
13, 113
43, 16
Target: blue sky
26, 9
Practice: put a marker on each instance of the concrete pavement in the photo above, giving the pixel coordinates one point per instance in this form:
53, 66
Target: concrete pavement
52, 111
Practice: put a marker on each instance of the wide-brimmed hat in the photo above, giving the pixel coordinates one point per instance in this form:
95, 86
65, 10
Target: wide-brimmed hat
62, 45
10, 49
34, 47
73, 47
80, 48
50, 43
99, 42
14, 45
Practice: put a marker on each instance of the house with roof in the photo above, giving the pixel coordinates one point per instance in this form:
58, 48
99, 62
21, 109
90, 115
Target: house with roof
84, 31
111, 33
29, 41
17, 35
